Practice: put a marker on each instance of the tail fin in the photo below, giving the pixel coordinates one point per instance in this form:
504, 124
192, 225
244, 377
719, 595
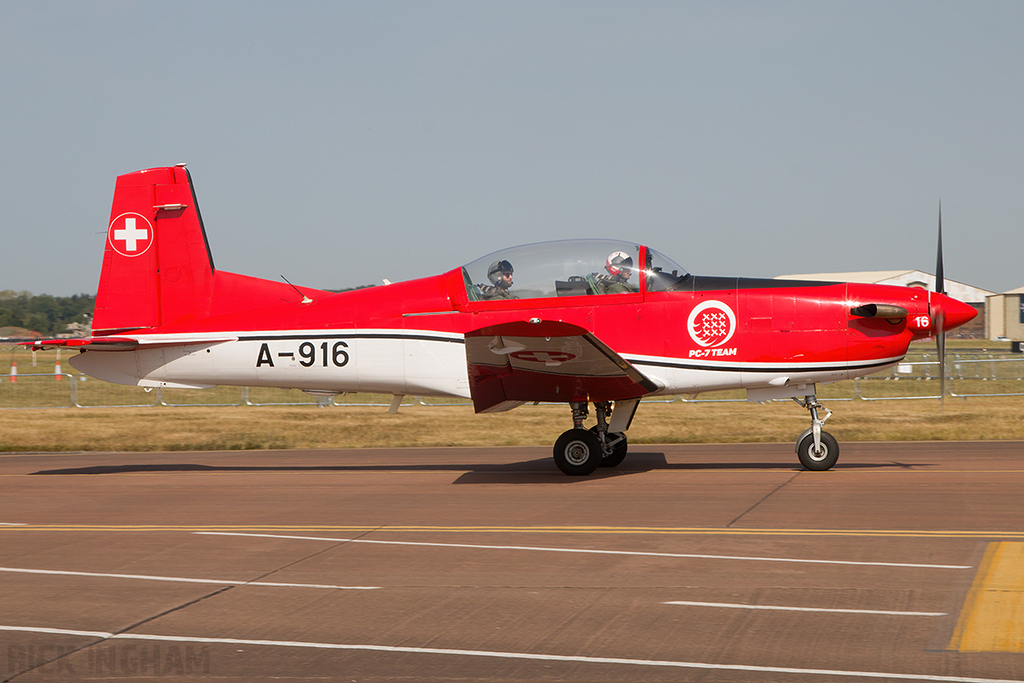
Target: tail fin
157, 266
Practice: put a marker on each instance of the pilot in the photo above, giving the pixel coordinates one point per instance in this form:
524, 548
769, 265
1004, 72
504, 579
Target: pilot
615, 279
500, 275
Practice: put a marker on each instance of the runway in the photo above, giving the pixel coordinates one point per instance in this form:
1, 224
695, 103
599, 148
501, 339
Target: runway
688, 562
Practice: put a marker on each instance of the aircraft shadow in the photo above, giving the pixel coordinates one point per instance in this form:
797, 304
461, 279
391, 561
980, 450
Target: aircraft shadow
193, 467
527, 471
635, 463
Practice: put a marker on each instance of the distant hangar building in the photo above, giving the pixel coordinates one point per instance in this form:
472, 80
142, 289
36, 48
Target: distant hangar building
975, 296
1004, 315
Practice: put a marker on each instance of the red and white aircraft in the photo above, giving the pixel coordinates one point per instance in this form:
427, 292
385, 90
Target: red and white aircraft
580, 322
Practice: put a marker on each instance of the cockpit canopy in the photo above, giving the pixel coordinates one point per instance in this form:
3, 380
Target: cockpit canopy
571, 268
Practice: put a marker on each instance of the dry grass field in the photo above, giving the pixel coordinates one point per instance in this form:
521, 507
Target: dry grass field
163, 428
37, 413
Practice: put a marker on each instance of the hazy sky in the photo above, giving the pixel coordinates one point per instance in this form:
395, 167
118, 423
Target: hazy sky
339, 143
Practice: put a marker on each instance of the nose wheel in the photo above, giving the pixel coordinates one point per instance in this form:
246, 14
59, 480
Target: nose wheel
817, 450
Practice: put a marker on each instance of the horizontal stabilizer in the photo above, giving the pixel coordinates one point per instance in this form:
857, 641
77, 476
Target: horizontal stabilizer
120, 343
547, 361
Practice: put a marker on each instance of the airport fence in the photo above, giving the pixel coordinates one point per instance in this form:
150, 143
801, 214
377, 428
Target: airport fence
967, 376
40, 382
64, 390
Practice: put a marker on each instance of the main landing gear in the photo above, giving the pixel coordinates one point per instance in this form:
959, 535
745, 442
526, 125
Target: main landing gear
817, 450
579, 451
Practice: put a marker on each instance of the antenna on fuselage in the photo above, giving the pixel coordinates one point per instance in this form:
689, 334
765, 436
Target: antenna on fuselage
305, 299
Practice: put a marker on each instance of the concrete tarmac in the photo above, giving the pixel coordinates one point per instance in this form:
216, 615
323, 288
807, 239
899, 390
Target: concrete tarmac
687, 562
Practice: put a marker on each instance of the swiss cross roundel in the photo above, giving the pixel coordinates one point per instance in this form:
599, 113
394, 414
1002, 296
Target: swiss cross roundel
130, 234
711, 323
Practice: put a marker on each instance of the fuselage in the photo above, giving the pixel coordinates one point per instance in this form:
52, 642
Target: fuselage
408, 338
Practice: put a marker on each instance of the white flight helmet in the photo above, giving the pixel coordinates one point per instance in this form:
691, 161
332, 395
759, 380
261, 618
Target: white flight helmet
619, 264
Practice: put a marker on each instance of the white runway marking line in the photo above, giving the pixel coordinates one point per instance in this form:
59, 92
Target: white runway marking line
592, 551
219, 582
730, 605
509, 655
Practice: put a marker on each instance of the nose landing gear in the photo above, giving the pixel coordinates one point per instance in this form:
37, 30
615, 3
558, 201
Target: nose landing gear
817, 450
579, 451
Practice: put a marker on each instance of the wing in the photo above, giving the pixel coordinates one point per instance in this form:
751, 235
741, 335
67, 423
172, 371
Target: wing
514, 363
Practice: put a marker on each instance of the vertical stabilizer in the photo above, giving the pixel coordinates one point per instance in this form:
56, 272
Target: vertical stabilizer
157, 266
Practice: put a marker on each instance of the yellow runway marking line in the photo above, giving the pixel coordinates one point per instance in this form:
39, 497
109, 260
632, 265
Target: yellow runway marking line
992, 619
678, 531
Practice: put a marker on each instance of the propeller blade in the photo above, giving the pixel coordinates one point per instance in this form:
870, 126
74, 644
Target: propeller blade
939, 317
940, 281
941, 341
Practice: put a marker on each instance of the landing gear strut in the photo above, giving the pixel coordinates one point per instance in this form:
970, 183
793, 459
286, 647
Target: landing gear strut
816, 449
579, 451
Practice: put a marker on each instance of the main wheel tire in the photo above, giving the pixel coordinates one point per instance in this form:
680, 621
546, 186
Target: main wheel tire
617, 454
578, 452
822, 460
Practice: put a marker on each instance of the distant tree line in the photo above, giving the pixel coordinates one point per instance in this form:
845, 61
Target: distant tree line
50, 315
45, 314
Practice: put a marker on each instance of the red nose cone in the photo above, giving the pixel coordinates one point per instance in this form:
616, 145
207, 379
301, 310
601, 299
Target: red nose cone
953, 313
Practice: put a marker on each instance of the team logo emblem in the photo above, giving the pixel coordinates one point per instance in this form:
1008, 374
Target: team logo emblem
711, 323
130, 234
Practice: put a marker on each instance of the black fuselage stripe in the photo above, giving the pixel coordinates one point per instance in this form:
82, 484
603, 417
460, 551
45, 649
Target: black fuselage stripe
704, 283
363, 335
773, 369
